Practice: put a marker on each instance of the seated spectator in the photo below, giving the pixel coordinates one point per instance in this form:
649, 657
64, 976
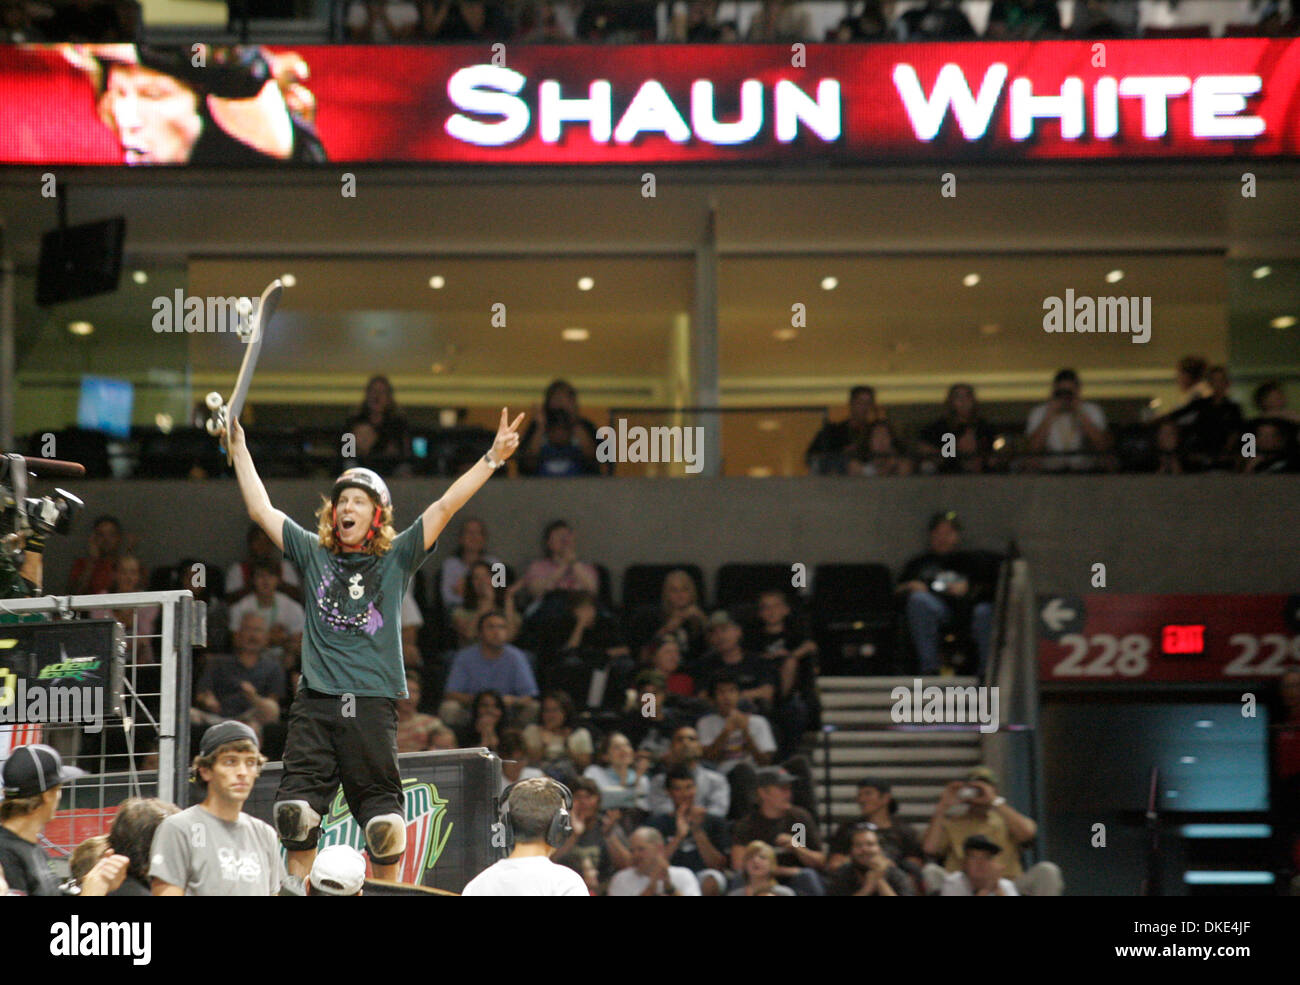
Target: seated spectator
515, 765
678, 615
380, 435
778, 637
869, 870
592, 635
547, 21
1274, 449
284, 616
444, 738
792, 831
971, 445
1023, 20
710, 788
621, 773
412, 621
481, 597
462, 21
131, 836
1270, 401
868, 24
1104, 19
490, 664
559, 456
380, 21
664, 655
973, 807
559, 408
651, 874
835, 443
778, 22
880, 454
553, 742
485, 722
695, 22
758, 861
936, 20
140, 623
1189, 384
247, 685
1169, 448
597, 843
943, 587
583, 654
980, 873
94, 573
754, 674
897, 840
239, 576
654, 715
1212, 425
696, 839
414, 728
471, 546
560, 570
192, 576
735, 742
617, 22
1066, 424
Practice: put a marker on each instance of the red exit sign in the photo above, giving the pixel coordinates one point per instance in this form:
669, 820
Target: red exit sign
1183, 640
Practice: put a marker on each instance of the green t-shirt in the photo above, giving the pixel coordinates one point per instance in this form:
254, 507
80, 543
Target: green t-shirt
352, 643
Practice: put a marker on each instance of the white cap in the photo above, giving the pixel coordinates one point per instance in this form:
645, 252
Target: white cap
339, 870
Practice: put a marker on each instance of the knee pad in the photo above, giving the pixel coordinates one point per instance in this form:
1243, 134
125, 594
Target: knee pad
386, 838
297, 825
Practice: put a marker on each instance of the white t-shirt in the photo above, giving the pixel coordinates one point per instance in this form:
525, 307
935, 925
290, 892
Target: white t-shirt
630, 882
410, 608
710, 727
282, 610
1066, 434
532, 876
235, 576
956, 884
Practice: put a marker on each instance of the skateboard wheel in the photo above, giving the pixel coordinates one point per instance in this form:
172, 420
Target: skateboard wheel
214, 426
213, 400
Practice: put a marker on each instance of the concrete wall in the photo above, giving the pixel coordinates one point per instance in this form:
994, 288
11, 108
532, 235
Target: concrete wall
1215, 533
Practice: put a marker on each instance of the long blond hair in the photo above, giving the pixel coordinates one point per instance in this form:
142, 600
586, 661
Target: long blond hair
379, 545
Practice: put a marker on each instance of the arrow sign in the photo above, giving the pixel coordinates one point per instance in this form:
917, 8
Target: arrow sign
1061, 614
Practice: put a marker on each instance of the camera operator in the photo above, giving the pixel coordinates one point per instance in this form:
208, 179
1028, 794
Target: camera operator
1067, 424
25, 523
558, 439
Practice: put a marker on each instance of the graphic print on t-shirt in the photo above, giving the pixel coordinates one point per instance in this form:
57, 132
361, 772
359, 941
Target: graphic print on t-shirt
349, 595
239, 866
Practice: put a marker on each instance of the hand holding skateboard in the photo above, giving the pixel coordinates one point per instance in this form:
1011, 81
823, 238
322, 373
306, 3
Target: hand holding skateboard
222, 414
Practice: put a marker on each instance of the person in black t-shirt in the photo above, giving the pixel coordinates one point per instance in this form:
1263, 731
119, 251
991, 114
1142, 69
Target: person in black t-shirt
1212, 425
380, 432
837, 441
972, 438
869, 871
944, 586
897, 840
754, 674
780, 638
131, 836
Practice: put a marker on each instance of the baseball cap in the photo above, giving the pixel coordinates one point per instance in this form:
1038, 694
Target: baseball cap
979, 843
223, 732
722, 618
32, 770
650, 677
983, 773
339, 870
771, 776
946, 516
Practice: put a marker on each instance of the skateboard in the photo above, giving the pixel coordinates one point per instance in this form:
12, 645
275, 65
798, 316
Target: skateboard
220, 413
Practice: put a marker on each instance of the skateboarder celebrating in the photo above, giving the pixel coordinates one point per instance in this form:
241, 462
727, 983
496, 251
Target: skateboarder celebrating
343, 726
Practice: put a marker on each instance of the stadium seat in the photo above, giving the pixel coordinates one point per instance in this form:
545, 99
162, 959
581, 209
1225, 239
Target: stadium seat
739, 584
853, 615
643, 583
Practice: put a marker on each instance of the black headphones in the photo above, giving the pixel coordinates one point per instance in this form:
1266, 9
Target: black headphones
561, 825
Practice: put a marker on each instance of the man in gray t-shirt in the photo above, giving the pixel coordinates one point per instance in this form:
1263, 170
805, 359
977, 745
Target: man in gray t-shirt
214, 849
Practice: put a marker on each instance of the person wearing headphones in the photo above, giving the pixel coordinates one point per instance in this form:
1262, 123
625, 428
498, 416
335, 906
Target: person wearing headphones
535, 816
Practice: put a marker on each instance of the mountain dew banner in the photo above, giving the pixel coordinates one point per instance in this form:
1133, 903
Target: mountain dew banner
450, 807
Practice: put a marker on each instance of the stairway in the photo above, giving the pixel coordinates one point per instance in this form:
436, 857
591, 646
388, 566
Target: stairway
867, 743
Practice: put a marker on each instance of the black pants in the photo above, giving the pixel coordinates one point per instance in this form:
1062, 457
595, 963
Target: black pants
326, 744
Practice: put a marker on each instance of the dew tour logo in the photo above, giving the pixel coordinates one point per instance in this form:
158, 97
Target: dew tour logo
426, 834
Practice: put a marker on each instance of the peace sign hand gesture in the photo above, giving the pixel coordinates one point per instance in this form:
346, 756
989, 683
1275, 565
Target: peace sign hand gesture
507, 439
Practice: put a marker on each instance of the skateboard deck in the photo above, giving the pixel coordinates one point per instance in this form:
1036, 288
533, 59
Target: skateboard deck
224, 412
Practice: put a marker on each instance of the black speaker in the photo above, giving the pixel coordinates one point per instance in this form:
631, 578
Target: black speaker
80, 261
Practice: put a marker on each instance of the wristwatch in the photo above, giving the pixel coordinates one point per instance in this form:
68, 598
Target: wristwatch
999, 801
487, 457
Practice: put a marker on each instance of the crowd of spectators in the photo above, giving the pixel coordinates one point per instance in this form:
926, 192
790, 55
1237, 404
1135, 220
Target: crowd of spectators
90, 21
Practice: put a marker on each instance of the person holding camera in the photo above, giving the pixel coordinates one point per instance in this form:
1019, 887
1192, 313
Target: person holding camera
972, 807
1067, 424
559, 440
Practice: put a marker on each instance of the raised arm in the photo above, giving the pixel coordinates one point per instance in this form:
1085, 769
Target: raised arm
260, 510
440, 512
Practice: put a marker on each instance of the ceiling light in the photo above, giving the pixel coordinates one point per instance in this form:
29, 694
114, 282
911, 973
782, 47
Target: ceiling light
1187, 760
830, 283
585, 283
785, 334
1114, 277
1204, 723
769, 424
990, 328
575, 335
140, 277
288, 280
759, 472
970, 280
437, 368
437, 282
1259, 273
1283, 321
80, 327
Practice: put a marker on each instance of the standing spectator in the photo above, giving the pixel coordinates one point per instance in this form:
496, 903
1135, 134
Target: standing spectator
482, 597
987, 814
869, 870
1065, 424
651, 874
490, 664
943, 587
1213, 425
131, 836
972, 436
678, 615
833, 445
937, 20
597, 843
790, 830
471, 546
1023, 20
284, 617
560, 403
93, 574
711, 789
758, 861
553, 741
755, 675
897, 840
239, 576
621, 773
697, 840
380, 21
778, 22
980, 873
379, 431
880, 454
735, 743
414, 728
